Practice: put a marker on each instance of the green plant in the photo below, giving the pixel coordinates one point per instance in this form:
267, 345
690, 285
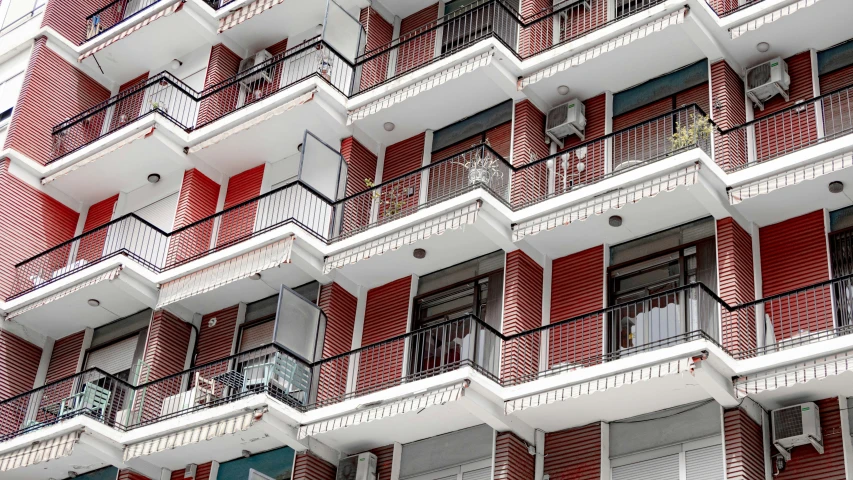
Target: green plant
155, 105
391, 199
690, 133
483, 167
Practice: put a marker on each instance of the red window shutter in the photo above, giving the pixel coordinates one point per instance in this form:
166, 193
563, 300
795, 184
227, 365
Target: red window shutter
794, 255
522, 312
307, 466
197, 200
239, 223
339, 306
385, 316
214, 342
420, 47
577, 288
512, 460
744, 446
574, 453
737, 282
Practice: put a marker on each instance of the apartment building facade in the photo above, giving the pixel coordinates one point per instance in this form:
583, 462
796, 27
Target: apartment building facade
407, 240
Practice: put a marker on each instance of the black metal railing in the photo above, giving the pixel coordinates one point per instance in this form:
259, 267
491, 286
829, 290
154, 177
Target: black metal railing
657, 321
593, 161
114, 14
179, 103
814, 313
793, 128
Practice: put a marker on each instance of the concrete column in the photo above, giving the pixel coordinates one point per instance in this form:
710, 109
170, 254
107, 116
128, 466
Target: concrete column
44, 362
358, 328
88, 334
413, 291
392, 56
539, 465
395, 462
750, 131
426, 160
547, 272
847, 441
439, 32
760, 332
608, 129
214, 470
605, 451
377, 179
818, 108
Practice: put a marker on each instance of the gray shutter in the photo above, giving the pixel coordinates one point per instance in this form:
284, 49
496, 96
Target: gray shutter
257, 336
114, 358
161, 213
705, 463
662, 468
479, 474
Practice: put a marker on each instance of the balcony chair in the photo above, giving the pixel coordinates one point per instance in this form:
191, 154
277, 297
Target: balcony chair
205, 390
92, 399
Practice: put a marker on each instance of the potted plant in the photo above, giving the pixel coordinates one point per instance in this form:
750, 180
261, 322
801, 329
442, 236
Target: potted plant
482, 167
391, 200
155, 105
690, 133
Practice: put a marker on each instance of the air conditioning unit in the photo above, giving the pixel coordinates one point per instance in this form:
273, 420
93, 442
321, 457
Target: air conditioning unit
566, 119
766, 80
796, 425
357, 467
250, 62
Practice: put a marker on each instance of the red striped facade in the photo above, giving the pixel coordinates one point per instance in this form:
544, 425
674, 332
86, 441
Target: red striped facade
52, 92
729, 110
385, 316
512, 461
222, 65
379, 33
574, 453
197, 200
451, 174
307, 466
538, 36
416, 47
400, 159
577, 288
215, 341
31, 222
339, 306
522, 312
384, 461
744, 443
239, 223
528, 145
361, 166
794, 255
68, 17
92, 246
165, 354
806, 463
793, 129
130, 107
737, 283
19, 363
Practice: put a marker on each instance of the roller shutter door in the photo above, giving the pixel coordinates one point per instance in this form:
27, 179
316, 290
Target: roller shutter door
662, 468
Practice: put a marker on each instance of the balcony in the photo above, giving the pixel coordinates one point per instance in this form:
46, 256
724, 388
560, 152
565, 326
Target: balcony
113, 15
648, 324
794, 128
318, 208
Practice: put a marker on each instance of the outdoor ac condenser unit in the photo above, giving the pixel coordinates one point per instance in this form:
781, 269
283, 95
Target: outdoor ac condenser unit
357, 467
796, 425
566, 119
251, 62
766, 80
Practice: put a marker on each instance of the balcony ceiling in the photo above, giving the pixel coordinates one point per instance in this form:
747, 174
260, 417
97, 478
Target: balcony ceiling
123, 169
404, 8
81, 460
440, 105
819, 26
272, 139
635, 62
150, 48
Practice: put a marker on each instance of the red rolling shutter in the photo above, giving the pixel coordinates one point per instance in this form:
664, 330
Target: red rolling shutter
339, 306
222, 65
528, 145
794, 255
165, 354
577, 288
307, 466
92, 246
416, 48
215, 342
240, 223
574, 453
727, 89
65, 357
379, 34
385, 316
400, 159
197, 200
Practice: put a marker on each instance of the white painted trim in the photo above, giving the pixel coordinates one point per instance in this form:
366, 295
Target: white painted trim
605, 451
759, 285
539, 466
768, 450
605, 289
396, 460
214, 470
818, 109
88, 334
723, 433
426, 159
241, 319
413, 292
547, 279
44, 362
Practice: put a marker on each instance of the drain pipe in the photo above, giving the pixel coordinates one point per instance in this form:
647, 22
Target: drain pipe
539, 439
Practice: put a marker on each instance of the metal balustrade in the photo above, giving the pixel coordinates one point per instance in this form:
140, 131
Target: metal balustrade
658, 321
179, 103
692, 312
113, 14
788, 130
593, 161
156, 250
479, 167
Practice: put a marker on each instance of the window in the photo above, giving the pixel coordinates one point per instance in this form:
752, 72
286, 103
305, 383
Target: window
9, 91
696, 460
651, 268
